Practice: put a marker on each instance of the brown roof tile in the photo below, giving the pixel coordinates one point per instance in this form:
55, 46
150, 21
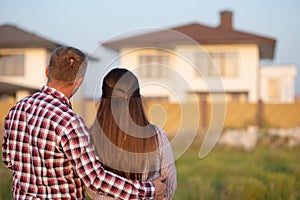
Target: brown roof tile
14, 37
198, 33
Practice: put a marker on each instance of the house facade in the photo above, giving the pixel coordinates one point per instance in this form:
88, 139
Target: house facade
23, 58
207, 61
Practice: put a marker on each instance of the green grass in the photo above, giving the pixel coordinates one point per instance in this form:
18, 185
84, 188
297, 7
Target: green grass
227, 173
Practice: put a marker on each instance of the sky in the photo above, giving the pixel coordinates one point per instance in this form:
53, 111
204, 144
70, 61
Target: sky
85, 24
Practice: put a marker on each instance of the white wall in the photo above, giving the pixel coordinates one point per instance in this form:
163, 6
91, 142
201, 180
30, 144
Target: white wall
183, 77
35, 61
248, 66
153, 87
286, 75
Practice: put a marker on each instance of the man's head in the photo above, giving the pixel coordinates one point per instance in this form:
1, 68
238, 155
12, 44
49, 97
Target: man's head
66, 65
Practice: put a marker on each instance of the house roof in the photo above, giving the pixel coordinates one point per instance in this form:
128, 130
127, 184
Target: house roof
14, 37
202, 34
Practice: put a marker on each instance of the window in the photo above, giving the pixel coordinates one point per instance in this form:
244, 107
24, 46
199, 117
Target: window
202, 63
274, 89
224, 62
11, 65
153, 65
237, 97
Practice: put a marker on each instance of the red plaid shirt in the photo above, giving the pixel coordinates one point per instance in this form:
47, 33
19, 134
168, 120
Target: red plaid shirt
48, 147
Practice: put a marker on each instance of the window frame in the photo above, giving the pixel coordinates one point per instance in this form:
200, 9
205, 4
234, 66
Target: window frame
12, 64
153, 65
216, 63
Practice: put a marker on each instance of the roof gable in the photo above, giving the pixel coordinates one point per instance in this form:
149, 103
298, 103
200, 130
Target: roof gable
14, 37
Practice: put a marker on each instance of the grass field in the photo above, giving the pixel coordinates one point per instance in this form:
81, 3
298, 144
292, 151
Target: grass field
228, 173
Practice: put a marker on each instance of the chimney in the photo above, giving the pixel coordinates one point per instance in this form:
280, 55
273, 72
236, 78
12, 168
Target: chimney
226, 19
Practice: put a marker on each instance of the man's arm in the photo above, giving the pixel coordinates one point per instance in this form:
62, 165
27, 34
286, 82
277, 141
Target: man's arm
5, 145
81, 152
5, 152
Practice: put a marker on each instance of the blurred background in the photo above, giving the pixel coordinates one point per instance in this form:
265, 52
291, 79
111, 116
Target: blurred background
221, 77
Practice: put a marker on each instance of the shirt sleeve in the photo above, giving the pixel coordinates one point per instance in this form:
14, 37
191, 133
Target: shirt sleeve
5, 148
5, 152
168, 168
78, 148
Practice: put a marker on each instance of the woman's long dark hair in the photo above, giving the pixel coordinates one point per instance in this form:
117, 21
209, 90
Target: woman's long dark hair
125, 140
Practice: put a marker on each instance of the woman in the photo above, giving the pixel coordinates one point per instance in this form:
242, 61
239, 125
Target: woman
125, 141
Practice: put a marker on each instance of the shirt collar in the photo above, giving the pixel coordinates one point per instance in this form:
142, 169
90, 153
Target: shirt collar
57, 94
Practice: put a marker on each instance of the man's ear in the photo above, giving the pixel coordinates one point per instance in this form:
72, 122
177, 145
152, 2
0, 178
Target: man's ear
78, 82
47, 71
76, 85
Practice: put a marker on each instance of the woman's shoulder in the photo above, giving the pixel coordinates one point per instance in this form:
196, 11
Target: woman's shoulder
162, 136
158, 129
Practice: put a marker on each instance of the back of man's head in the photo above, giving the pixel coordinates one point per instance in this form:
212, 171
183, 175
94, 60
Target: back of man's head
66, 64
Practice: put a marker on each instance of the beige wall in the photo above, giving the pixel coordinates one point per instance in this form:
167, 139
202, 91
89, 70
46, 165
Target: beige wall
183, 75
35, 64
285, 75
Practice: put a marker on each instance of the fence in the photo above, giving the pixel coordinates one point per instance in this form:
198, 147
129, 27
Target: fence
238, 115
169, 115
4, 108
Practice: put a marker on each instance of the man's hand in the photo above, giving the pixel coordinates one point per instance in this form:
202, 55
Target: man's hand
160, 188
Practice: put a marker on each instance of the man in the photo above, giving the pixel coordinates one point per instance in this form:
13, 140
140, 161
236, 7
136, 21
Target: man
48, 147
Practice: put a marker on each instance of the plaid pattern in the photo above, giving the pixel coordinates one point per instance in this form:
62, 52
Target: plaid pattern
47, 145
166, 168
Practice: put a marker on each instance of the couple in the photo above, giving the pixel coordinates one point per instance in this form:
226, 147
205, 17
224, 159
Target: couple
54, 155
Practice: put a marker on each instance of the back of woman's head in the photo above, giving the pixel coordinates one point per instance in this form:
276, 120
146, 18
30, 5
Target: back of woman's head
122, 130
120, 83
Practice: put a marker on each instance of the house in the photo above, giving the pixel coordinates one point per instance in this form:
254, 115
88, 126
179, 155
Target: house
207, 61
23, 58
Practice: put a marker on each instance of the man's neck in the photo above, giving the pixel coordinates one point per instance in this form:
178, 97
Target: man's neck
68, 91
